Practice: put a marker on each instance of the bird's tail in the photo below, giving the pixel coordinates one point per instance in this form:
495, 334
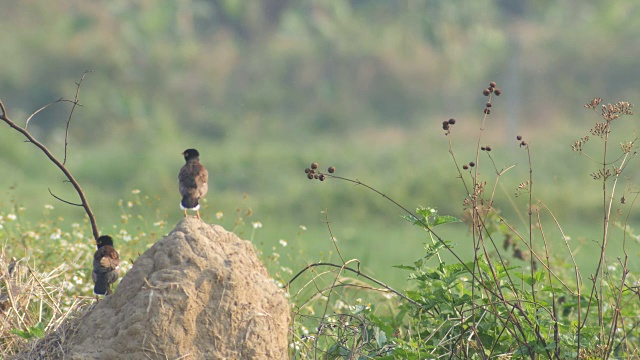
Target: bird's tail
102, 286
189, 202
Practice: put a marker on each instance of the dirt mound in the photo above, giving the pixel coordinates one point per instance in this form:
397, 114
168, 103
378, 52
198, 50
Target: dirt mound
199, 293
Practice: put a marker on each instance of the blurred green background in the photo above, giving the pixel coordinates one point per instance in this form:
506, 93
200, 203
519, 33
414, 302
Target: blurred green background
263, 88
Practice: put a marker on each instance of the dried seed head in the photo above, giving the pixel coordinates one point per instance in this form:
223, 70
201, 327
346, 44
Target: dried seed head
445, 126
314, 166
472, 164
451, 121
315, 176
307, 170
519, 137
483, 148
331, 169
523, 143
487, 111
488, 105
488, 148
310, 176
486, 92
465, 167
498, 92
493, 85
321, 177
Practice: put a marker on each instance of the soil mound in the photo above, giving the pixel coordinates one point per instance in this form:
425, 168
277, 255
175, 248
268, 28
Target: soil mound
198, 293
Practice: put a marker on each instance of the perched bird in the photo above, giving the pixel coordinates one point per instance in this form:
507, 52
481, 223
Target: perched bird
192, 182
105, 266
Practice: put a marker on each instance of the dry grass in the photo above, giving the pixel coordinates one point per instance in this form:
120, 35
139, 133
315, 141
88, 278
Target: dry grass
31, 306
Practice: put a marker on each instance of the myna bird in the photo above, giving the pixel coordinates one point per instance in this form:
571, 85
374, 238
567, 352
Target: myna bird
192, 181
105, 266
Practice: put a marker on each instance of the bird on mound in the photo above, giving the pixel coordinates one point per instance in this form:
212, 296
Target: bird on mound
192, 182
106, 262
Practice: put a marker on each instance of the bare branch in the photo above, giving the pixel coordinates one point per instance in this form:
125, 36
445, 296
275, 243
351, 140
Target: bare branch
26, 124
4, 111
75, 103
64, 201
83, 199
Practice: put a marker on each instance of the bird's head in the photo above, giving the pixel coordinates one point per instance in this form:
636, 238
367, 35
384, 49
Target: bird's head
190, 154
104, 240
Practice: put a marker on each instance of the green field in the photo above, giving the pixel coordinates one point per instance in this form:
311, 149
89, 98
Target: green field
262, 90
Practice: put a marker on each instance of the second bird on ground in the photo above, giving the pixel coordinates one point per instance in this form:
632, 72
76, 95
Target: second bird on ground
106, 262
192, 181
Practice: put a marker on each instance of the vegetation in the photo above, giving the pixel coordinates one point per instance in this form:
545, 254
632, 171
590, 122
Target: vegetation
262, 88
519, 297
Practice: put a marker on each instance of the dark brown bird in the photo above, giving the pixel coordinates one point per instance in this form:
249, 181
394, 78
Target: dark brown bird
192, 182
106, 262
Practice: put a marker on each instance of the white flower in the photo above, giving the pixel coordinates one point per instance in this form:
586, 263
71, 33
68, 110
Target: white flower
129, 204
303, 228
49, 207
283, 242
135, 191
125, 235
219, 215
12, 216
256, 225
56, 234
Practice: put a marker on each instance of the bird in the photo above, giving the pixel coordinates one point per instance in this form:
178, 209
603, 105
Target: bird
192, 182
106, 262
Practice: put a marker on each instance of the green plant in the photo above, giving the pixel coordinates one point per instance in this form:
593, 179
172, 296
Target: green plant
519, 295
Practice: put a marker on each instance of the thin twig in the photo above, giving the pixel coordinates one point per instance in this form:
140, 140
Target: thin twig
75, 103
357, 271
64, 201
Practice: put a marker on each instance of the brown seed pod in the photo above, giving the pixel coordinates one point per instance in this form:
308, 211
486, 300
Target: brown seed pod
519, 137
307, 170
486, 92
451, 121
310, 176
472, 164
314, 166
498, 92
523, 143
489, 105
331, 169
321, 177
488, 148
483, 148
493, 84
487, 111
315, 176
465, 167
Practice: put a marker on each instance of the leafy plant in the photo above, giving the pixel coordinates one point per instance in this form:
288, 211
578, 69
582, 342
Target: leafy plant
518, 296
